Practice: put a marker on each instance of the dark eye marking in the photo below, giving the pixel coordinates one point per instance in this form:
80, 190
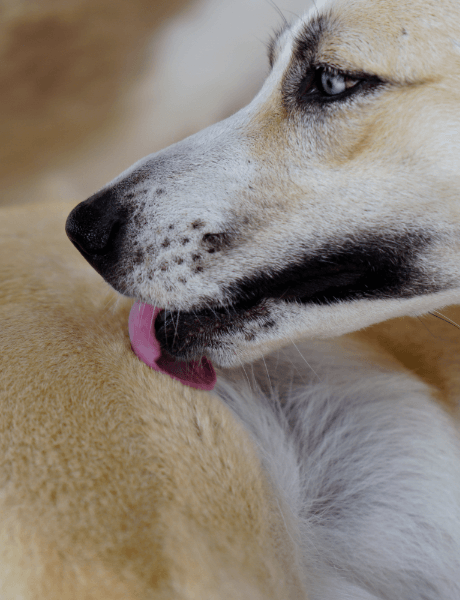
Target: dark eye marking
325, 84
309, 81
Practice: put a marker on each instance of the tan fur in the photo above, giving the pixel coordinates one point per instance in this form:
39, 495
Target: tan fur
116, 482
427, 346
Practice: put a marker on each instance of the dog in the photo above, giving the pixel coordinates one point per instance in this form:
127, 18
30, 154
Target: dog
299, 245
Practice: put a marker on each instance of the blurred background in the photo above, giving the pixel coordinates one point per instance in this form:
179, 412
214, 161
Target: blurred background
90, 86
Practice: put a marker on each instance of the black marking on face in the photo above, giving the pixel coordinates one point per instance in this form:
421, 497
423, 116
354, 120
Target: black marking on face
303, 86
371, 266
139, 220
166, 243
185, 335
185, 241
307, 42
138, 257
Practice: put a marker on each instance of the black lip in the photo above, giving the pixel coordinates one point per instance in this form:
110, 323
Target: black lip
376, 267
185, 335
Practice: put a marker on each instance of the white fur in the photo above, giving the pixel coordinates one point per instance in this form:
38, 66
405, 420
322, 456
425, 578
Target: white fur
365, 464
368, 467
287, 189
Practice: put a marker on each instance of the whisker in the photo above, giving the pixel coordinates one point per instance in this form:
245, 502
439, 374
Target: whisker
306, 361
279, 11
426, 326
176, 326
211, 309
300, 374
254, 377
444, 318
268, 376
244, 371
166, 324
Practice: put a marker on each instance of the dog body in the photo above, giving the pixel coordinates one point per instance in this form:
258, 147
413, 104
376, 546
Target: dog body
329, 467
118, 482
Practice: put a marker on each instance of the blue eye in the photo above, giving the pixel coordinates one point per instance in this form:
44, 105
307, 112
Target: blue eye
326, 84
333, 83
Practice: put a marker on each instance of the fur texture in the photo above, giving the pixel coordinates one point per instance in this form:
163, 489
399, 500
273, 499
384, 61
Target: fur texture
336, 478
324, 470
306, 214
116, 482
369, 467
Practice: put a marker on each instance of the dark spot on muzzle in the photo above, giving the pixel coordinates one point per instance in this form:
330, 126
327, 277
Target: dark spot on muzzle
215, 242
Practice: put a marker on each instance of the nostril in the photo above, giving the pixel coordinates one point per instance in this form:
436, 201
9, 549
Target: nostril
93, 241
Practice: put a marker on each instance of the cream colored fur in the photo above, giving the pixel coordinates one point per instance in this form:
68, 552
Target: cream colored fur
325, 469
116, 482
287, 184
336, 478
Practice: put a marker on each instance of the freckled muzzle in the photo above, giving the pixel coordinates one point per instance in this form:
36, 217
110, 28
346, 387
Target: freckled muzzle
375, 268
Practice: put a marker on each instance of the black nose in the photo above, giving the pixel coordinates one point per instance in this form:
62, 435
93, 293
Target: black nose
93, 225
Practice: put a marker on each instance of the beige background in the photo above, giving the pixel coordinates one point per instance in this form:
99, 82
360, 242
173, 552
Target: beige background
90, 86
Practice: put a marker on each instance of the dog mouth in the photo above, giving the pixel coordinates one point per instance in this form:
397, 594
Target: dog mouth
186, 335
378, 267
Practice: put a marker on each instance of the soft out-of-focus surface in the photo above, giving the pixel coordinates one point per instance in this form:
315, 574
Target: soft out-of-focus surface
90, 86
63, 67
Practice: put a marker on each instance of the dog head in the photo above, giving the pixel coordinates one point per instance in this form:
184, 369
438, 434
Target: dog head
331, 202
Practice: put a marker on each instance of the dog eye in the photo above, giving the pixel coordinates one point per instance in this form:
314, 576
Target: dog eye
333, 84
327, 84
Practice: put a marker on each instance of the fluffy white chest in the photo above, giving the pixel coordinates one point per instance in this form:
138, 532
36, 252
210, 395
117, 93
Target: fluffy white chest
368, 466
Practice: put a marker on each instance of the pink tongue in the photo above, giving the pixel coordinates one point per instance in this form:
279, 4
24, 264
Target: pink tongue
200, 375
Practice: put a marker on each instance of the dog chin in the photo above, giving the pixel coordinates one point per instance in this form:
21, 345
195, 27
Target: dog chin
189, 335
227, 351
